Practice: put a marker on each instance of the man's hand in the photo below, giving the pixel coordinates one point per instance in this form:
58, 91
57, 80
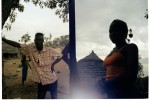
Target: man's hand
55, 62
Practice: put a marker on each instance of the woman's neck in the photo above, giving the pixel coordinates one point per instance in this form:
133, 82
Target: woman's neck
121, 44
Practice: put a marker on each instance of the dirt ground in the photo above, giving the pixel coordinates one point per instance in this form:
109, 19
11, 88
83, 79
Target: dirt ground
15, 90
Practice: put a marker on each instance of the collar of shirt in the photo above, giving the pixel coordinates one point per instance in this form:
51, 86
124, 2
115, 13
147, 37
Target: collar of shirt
35, 49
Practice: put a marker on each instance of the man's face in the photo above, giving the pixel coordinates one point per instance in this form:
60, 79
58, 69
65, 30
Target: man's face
39, 41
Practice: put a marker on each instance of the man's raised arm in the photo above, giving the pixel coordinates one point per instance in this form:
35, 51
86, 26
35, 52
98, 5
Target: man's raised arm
12, 43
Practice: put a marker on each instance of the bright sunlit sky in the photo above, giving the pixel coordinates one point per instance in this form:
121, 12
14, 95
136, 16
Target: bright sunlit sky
93, 18
34, 19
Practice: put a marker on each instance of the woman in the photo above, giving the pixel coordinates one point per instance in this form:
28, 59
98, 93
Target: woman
121, 64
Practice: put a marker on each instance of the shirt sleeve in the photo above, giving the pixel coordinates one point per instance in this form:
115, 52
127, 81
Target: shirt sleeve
56, 53
24, 49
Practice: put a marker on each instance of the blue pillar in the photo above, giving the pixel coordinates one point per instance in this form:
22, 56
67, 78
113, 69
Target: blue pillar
72, 46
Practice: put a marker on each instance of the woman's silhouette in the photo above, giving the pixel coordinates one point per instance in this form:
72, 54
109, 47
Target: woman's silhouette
121, 64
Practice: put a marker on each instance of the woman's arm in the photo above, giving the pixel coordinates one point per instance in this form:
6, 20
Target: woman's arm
132, 62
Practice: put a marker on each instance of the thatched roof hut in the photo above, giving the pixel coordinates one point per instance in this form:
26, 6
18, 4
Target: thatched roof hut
9, 51
90, 69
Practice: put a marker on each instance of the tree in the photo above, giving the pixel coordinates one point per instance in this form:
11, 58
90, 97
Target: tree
56, 41
9, 7
8, 10
25, 38
48, 40
61, 41
140, 67
64, 40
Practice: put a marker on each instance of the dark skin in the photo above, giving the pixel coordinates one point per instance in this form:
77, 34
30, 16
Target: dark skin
39, 42
130, 52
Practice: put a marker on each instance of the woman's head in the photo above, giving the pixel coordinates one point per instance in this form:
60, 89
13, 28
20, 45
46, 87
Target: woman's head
118, 31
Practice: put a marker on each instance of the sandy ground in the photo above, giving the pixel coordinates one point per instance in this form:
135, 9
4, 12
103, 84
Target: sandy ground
14, 88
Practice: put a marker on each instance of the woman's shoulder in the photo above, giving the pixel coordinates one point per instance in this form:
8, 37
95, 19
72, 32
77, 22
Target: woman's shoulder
129, 49
132, 46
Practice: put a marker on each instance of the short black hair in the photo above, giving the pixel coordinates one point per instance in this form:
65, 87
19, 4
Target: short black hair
39, 34
118, 25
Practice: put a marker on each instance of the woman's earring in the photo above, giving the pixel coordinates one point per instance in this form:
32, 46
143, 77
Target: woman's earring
128, 40
130, 35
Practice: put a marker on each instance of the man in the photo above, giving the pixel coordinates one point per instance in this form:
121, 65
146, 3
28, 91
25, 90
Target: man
40, 62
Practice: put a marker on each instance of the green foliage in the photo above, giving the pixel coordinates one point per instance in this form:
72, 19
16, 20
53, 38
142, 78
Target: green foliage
47, 40
8, 12
61, 41
57, 42
26, 0
61, 6
140, 68
25, 38
8, 26
20, 8
12, 16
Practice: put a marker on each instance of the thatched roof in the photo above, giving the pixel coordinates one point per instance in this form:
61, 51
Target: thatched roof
90, 68
91, 56
8, 48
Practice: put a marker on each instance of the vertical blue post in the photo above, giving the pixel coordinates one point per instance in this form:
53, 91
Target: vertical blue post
72, 46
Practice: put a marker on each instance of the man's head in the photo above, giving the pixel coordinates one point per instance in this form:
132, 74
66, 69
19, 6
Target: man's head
118, 31
38, 40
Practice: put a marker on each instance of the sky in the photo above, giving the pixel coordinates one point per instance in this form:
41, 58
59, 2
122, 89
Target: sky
93, 18
34, 19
